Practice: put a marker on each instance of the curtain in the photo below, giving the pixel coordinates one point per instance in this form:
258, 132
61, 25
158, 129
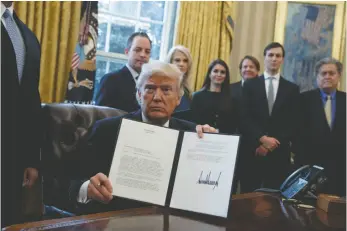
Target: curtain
206, 28
56, 25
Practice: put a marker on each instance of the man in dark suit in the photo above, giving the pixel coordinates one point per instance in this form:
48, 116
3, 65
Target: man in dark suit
268, 121
118, 89
249, 68
20, 112
159, 92
322, 134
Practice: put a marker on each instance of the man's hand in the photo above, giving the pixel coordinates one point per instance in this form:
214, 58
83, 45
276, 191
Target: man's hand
261, 151
30, 176
200, 129
100, 188
269, 142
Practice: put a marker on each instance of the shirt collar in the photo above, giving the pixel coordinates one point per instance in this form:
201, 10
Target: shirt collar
242, 82
144, 119
267, 75
3, 9
132, 71
324, 95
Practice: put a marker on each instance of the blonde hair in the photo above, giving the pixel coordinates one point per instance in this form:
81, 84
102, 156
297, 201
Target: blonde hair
163, 68
186, 76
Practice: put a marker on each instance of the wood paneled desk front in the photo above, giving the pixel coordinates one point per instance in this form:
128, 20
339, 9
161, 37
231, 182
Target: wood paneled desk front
253, 211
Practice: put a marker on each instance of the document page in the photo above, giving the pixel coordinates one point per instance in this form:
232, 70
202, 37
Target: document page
205, 173
142, 161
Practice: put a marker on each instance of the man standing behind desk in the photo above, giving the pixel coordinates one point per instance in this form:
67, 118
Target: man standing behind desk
322, 135
268, 121
249, 68
159, 93
118, 89
20, 112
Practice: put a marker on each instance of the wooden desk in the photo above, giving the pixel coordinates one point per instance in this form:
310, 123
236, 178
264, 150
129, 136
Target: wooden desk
253, 211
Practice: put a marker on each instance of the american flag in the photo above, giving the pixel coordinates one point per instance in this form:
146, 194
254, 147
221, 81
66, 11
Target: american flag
315, 18
75, 61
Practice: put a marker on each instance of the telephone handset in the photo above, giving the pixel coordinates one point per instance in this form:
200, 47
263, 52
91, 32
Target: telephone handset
306, 181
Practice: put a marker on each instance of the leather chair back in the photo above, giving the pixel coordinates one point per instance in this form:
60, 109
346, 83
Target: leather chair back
66, 129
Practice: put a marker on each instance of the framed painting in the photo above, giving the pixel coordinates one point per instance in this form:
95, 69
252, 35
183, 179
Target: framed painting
309, 31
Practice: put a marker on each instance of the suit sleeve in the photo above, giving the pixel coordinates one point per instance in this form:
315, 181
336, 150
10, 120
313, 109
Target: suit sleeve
33, 157
102, 94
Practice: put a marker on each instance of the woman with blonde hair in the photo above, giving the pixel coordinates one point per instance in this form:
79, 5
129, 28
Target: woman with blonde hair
180, 56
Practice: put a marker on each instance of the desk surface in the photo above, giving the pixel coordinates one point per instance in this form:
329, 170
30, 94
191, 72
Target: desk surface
254, 211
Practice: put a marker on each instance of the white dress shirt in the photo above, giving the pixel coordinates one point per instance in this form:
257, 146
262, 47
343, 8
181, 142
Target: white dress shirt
275, 83
82, 196
3, 9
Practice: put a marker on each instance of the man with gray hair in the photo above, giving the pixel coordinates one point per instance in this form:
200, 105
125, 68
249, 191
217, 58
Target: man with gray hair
322, 132
159, 92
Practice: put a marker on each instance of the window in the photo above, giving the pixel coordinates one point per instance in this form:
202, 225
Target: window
119, 19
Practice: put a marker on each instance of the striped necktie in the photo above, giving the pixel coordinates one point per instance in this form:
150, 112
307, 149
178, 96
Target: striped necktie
18, 46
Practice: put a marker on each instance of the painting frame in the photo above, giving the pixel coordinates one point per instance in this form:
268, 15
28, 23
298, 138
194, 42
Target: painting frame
338, 37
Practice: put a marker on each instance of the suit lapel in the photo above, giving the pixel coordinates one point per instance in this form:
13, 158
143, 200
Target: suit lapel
263, 97
281, 92
320, 110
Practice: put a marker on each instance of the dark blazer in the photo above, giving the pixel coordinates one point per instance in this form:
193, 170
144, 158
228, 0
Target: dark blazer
99, 156
20, 116
321, 145
257, 122
206, 109
118, 90
236, 90
236, 97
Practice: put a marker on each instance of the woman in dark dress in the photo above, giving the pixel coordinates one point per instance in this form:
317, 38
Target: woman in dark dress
212, 104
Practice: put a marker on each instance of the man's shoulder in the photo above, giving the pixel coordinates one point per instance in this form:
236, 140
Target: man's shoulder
118, 75
199, 94
112, 123
341, 94
182, 124
310, 93
235, 85
289, 83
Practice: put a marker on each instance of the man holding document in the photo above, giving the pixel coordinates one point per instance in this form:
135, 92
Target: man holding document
140, 160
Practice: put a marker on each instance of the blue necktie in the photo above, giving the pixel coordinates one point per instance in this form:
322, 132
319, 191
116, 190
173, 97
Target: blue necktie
17, 43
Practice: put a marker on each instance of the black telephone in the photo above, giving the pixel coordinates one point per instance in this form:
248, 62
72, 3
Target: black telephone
307, 181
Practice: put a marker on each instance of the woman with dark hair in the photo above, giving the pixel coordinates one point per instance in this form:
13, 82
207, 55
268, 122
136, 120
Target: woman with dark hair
212, 104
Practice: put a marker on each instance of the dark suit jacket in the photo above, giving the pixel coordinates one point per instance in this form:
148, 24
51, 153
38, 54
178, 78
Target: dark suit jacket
236, 90
320, 145
99, 156
236, 97
20, 113
118, 90
206, 109
256, 120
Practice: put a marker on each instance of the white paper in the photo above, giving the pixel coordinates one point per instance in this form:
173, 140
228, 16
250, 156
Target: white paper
142, 162
205, 174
